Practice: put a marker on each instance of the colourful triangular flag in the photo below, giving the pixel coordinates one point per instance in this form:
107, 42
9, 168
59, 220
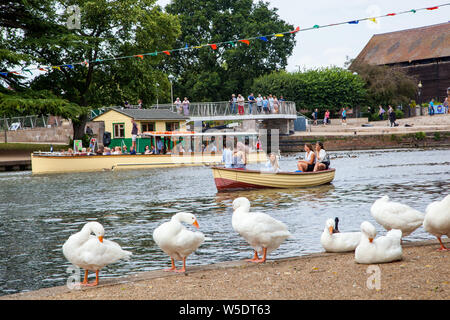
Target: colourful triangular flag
245, 41
232, 43
279, 35
198, 47
263, 38
413, 11
296, 30
391, 14
353, 22
139, 56
167, 52
432, 8
373, 20
316, 26
4, 74
213, 46
56, 67
69, 66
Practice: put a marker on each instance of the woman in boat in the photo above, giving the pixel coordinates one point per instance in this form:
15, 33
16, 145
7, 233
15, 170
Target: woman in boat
239, 156
272, 164
323, 160
310, 159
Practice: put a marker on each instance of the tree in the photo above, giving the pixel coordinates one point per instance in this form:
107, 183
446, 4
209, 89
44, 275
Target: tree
324, 88
213, 75
385, 85
109, 28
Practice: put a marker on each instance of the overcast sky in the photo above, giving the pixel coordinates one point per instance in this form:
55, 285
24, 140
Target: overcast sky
331, 46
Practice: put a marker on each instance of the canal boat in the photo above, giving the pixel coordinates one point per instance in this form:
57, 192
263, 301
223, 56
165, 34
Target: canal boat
227, 179
54, 162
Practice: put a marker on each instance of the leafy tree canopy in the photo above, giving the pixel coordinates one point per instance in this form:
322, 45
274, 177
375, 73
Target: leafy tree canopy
213, 75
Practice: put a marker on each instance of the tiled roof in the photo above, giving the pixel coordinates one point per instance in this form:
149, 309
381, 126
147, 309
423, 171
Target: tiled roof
151, 114
407, 45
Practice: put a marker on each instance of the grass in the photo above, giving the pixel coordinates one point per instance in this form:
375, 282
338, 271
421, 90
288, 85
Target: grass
29, 147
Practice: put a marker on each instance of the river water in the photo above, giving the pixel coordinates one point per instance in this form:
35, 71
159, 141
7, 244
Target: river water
38, 213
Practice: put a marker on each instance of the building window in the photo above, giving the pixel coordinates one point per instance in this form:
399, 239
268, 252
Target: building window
172, 126
147, 126
119, 130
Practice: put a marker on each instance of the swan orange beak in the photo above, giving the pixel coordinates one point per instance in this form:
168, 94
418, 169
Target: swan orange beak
330, 229
100, 238
195, 224
371, 240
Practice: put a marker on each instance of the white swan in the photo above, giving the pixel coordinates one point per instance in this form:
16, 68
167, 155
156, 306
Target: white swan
394, 215
333, 240
175, 240
380, 250
260, 230
92, 252
437, 219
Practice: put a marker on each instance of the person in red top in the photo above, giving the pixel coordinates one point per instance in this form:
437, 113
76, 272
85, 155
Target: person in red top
326, 119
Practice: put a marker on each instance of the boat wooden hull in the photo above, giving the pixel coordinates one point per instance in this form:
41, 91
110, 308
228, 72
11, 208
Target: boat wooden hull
45, 163
236, 179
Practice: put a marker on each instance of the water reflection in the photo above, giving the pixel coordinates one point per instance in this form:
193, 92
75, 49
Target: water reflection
38, 213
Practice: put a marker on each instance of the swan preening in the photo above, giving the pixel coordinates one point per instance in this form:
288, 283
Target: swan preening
394, 215
437, 219
177, 241
91, 252
261, 231
333, 240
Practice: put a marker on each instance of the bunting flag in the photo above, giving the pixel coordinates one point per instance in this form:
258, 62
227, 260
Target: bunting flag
27, 70
233, 43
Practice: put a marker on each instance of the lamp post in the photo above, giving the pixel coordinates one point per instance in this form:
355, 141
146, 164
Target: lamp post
420, 98
157, 104
171, 89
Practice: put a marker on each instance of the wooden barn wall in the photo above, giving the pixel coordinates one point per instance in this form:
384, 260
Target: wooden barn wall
435, 78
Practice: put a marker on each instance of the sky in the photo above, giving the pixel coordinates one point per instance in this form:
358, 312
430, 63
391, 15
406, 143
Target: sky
331, 46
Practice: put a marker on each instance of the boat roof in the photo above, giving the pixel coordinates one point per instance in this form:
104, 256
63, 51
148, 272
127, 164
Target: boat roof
197, 134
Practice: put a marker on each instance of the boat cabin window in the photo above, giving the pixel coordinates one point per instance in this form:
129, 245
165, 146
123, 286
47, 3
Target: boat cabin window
119, 130
147, 126
172, 126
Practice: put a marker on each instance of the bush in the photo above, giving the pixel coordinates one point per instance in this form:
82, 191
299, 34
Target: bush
420, 135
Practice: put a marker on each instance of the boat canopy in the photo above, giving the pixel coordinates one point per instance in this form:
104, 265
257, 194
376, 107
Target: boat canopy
196, 134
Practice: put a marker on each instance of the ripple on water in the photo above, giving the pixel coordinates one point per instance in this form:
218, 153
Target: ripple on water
38, 213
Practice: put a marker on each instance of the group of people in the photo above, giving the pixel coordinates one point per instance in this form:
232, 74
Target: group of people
235, 155
390, 115
260, 104
314, 160
326, 116
182, 107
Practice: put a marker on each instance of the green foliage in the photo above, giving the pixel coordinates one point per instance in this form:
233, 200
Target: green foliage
326, 88
385, 85
437, 136
420, 135
213, 75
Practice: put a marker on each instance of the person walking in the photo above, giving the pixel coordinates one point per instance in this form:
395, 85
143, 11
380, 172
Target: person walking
344, 116
381, 112
431, 107
315, 116
391, 116
240, 102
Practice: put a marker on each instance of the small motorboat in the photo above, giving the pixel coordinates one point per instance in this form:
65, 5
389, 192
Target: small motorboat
237, 179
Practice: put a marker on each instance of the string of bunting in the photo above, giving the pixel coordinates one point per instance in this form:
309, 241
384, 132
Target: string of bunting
214, 46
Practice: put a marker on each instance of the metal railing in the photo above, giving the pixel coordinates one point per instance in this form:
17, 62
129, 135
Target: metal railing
224, 108
25, 122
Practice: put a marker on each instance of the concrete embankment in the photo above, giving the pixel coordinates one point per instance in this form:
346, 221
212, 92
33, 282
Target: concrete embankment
423, 273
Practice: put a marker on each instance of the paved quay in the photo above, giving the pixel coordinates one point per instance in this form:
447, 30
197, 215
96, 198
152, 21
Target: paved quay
423, 273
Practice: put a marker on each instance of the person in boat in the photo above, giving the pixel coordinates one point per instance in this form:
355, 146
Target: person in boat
159, 146
125, 151
309, 161
239, 156
272, 164
134, 133
227, 155
323, 160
